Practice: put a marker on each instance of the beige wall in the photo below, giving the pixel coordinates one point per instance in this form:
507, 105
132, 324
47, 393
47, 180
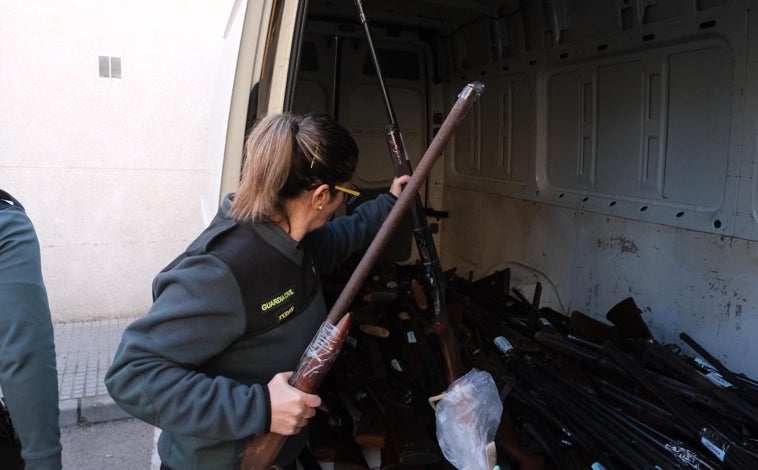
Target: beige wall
117, 174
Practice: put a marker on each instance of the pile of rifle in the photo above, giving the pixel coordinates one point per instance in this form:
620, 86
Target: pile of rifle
578, 393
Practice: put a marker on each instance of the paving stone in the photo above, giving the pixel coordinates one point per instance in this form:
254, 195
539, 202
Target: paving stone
84, 351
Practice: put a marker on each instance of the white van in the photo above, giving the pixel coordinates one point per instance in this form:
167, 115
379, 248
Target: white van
611, 155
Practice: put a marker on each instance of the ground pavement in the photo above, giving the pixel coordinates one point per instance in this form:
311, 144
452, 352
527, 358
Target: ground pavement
84, 350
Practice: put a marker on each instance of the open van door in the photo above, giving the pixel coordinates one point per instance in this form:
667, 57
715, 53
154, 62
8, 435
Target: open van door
264, 74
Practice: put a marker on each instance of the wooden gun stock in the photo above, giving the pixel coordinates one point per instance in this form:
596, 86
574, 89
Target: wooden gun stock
627, 318
449, 349
591, 329
261, 451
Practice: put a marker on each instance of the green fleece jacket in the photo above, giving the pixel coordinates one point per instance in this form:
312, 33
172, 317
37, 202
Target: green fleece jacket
195, 368
28, 375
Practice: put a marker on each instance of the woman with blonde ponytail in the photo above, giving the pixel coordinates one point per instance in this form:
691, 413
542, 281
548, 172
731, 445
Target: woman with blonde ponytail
231, 315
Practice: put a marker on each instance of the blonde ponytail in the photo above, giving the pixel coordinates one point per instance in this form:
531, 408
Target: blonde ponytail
287, 154
268, 159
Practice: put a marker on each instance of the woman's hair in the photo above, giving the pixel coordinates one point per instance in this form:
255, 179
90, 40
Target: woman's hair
286, 154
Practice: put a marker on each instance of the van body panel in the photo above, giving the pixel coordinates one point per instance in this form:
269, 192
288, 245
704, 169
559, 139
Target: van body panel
266, 51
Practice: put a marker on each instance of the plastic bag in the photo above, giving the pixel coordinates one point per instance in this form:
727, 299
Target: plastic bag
467, 419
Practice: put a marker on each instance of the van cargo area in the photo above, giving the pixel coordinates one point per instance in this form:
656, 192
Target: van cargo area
597, 208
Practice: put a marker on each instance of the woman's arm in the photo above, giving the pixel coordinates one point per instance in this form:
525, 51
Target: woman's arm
155, 375
343, 236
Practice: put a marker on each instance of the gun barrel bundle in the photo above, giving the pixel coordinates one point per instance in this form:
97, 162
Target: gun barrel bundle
745, 389
608, 392
700, 429
726, 401
614, 439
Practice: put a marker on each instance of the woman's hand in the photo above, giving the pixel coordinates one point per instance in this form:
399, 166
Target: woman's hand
398, 183
290, 408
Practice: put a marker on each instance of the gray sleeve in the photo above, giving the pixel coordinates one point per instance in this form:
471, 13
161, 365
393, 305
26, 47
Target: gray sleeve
28, 374
343, 236
196, 315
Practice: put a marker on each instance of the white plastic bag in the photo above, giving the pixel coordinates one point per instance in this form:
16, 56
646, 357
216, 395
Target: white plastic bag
467, 419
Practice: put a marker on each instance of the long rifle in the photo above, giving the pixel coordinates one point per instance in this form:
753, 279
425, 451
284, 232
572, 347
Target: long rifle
422, 234
261, 450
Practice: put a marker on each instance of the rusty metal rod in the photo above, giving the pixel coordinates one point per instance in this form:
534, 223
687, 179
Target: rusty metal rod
465, 99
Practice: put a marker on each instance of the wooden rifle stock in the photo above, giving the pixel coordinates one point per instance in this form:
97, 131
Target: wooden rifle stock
449, 350
627, 318
591, 329
371, 430
261, 451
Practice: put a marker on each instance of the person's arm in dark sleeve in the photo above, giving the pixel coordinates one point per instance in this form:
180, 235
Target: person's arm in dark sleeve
28, 375
154, 376
343, 236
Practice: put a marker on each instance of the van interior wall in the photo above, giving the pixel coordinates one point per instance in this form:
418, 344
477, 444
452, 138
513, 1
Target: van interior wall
612, 150
593, 223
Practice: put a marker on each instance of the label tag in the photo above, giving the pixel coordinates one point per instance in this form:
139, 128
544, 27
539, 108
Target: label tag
503, 345
715, 450
411, 337
716, 378
705, 364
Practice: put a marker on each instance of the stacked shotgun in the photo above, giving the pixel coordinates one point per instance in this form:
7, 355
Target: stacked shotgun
578, 392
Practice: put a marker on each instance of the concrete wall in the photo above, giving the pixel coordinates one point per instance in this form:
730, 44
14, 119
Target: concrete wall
700, 283
117, 174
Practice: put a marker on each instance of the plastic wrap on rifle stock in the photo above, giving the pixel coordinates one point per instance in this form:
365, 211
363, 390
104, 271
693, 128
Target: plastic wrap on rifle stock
320, 354
261, 451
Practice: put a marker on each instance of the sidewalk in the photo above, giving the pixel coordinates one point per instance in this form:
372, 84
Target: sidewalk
83, 353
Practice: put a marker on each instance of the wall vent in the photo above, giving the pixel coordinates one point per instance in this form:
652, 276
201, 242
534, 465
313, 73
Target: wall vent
109, 67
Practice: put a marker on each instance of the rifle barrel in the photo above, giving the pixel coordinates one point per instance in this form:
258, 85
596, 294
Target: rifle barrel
387, 102
465, 99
